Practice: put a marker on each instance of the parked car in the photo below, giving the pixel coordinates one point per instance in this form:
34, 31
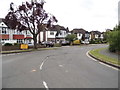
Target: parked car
76, 42
9, 41
48, 43
65, 43
85, 42
30, 44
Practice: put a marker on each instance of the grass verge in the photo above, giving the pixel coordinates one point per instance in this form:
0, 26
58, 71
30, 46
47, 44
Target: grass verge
104, 58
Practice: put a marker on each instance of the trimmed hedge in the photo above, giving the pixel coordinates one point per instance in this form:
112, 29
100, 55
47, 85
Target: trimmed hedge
114, 41
7, 44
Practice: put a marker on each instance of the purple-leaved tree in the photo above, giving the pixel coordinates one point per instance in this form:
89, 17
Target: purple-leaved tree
29, 16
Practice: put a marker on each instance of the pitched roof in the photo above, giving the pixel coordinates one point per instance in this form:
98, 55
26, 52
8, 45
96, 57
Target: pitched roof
96, 32
1, 20
79, 31
57, 28
2, 24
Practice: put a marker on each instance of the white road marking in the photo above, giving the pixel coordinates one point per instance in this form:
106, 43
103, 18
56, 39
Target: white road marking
104, 64
45, 85
101, 62
108, 66
90, 56
41, 65
43, 62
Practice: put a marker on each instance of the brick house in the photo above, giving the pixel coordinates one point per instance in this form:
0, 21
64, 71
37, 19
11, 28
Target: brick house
96, 35
82, 35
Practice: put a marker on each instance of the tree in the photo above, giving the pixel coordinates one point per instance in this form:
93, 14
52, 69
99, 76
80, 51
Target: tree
29, 16
70, 37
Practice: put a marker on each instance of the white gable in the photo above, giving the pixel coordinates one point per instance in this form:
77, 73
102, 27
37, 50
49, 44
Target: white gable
2, 24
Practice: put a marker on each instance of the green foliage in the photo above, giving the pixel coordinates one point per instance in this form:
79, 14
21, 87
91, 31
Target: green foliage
114, 40
16, 44
105, 36
97, 41
7, 44
92, 41
71, 37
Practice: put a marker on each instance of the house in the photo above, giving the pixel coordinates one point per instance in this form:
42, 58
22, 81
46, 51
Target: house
96, 35
55, 33
80, 33
16, 36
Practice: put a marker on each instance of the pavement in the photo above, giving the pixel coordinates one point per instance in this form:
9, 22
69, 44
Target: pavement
65, 67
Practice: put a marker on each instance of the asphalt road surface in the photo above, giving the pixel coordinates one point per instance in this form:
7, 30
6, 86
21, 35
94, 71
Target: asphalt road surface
65, 67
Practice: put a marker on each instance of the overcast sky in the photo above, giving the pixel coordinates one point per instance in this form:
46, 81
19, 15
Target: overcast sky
87, 14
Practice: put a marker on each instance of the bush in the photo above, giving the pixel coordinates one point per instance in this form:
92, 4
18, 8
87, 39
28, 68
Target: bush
16, 44
57, 45
70, 37
114, 41
7, 44
92, 41
111, 48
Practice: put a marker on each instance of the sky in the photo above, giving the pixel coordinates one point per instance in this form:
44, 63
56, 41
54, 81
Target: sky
87, 14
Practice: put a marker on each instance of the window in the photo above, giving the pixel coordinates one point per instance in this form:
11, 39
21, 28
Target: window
19, 41
51, 33
18, 32
5, 39
64, 33
60, 32
29, 41
4, 31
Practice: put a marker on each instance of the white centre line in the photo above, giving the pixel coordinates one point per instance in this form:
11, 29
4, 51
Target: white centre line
43, 63
45, 85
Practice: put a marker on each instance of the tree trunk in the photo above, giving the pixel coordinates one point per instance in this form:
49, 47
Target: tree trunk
35, 41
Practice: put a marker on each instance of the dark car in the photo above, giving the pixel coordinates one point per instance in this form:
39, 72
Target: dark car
63, 43
48, 43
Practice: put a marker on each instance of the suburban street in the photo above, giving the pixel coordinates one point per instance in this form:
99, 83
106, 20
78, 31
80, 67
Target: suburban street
65, 67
